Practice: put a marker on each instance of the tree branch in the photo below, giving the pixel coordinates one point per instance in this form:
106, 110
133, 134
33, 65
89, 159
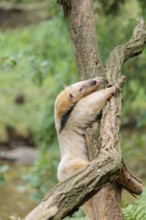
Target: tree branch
123, 52
130, 182
110, 123
68, 196
114, 64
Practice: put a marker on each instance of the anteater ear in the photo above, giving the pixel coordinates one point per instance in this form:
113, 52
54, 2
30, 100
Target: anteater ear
71, 96
64, 86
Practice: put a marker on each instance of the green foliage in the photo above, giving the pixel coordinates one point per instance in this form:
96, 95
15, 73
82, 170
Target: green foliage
43, 175
36, 63
79, 215
111, 7
136, 210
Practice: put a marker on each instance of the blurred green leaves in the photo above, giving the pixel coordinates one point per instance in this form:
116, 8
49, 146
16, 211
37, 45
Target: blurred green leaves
135, 210
35, 61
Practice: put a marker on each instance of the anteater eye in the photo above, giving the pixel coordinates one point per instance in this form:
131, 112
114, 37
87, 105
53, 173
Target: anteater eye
81, 89
71, 96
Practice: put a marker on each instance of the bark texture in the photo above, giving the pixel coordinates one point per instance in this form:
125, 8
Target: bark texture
83, 34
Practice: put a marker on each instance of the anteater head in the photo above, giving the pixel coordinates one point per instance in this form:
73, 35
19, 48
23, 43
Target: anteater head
73, 93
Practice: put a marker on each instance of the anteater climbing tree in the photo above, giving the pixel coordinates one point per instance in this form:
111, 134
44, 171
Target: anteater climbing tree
106, 174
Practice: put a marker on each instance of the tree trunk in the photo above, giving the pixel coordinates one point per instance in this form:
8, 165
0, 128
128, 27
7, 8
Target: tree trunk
89, 63
83, 34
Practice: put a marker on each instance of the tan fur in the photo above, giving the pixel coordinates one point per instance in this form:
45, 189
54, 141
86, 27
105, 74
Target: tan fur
71, 138
63, 103
78, 165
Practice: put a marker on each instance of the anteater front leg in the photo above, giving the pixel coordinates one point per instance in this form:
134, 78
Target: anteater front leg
89, 107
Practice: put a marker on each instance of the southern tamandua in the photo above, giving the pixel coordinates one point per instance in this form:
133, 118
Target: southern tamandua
76, 107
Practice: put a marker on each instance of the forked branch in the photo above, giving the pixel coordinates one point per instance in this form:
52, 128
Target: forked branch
114, 64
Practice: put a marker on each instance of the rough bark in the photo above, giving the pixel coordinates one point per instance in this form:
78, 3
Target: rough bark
131, 183
83, 34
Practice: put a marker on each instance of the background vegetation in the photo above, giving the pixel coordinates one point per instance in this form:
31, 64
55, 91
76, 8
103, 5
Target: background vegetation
36, 59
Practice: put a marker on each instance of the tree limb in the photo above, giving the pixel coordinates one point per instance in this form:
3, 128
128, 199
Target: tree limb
123, 52
68, 196
114, 64
110, 123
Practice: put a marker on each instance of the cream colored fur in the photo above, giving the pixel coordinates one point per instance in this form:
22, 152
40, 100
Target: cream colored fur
88, 103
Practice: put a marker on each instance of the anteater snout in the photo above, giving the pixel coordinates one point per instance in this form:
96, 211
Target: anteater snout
101, 80
93, 82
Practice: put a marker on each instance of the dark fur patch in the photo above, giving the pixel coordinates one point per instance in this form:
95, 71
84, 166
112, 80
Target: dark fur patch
99, 116
65, 118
